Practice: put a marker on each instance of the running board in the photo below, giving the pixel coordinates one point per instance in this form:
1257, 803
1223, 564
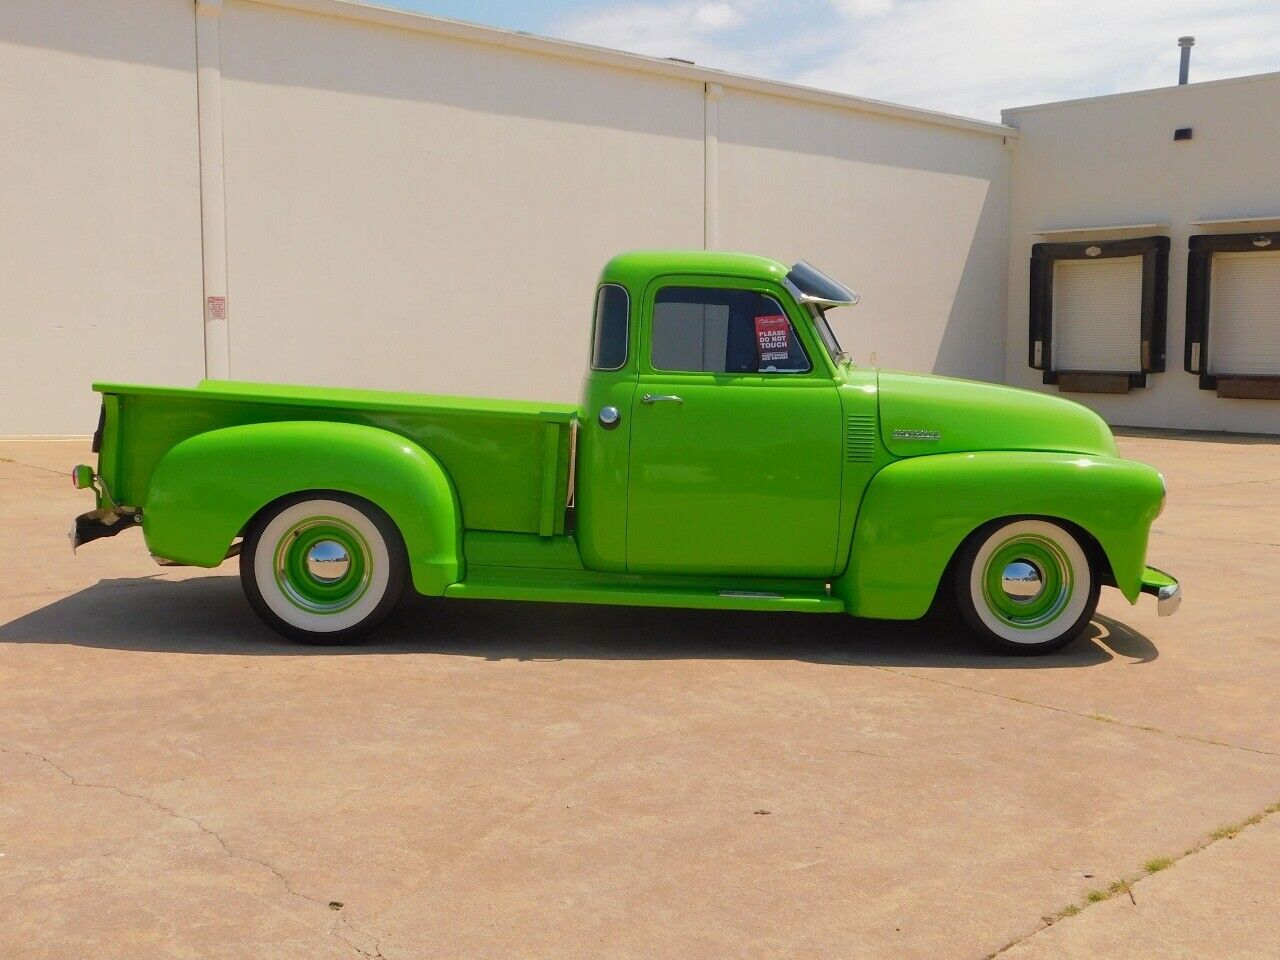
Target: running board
486, 585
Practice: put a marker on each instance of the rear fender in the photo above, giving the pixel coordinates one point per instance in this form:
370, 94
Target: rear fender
207, 488
917, 512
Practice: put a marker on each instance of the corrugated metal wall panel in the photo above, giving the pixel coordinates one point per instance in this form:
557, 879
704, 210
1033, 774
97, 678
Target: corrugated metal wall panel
1097, 308
1244, 314
413, 209
100, 213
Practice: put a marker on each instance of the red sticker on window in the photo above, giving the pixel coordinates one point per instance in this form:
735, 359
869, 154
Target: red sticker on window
771, 338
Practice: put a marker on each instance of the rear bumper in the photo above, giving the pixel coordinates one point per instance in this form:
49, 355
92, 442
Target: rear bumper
1166, 590
97, 524
110, 517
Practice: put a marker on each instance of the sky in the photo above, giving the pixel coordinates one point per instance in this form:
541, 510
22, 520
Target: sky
967, 57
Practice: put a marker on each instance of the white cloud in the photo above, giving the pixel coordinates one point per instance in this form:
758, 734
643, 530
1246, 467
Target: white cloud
971, 57
863, 8
975, 56
689, 29
716, 16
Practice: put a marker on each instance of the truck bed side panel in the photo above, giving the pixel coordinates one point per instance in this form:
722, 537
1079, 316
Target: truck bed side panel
495, 452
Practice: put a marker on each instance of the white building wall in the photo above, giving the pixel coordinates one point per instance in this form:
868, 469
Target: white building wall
416, 204
421, 213
1113, 161
99, 208
912, 216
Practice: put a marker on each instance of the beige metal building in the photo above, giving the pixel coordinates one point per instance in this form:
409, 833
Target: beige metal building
320, 191
1188, 173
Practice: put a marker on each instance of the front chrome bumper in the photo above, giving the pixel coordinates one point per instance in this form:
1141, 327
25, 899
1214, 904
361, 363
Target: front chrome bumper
1168, 599
1166, 590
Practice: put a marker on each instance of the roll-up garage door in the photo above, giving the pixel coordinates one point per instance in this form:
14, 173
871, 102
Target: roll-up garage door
1097, 314
1244, 314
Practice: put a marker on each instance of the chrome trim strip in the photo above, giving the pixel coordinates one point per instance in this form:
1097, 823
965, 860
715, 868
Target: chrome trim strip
573, 462
824, 302
810, 300
915, 434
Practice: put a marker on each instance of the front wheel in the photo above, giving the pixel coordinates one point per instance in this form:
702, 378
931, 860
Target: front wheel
1025, 586
323, 568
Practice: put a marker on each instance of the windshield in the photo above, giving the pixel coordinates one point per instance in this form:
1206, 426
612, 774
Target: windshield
828, 335
819, 293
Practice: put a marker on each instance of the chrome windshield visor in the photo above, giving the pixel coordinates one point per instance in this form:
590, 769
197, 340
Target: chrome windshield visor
811, 285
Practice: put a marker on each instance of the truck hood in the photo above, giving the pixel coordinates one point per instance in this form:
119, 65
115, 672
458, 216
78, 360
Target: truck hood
921, 414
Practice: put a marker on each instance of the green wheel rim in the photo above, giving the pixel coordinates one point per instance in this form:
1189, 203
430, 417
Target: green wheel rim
1056, 579
315, 593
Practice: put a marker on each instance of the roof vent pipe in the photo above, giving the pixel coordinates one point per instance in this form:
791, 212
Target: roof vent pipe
1185, 44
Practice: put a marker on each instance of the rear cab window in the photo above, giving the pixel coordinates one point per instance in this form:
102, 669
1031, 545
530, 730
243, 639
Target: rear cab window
611, 328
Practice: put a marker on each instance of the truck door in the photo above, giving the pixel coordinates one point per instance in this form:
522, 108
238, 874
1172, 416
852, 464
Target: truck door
735, 444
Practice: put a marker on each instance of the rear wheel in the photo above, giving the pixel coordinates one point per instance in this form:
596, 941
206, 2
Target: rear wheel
323, 568
1025, 586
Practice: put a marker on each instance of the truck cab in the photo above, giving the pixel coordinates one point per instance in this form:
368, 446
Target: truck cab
713, 412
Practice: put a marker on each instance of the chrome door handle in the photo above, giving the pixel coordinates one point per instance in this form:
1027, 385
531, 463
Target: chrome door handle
652, 398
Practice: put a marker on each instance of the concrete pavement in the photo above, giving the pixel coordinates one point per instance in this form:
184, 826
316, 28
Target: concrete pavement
505, 780
1220, 902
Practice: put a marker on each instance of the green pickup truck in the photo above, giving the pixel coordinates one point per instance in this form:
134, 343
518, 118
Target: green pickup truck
726, 454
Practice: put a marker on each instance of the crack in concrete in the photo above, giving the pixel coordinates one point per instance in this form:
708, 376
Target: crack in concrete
1096, 717
34, 466
1126, 884
210, 832
1225, 483
377, 945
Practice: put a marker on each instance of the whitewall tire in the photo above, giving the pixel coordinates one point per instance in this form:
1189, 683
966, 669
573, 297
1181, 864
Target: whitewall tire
1025, 586
323, 568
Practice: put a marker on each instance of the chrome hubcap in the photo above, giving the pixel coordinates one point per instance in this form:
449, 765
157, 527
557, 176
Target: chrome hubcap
1022, 581
328, 561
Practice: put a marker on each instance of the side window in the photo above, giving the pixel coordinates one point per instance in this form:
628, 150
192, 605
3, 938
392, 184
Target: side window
713, 330
609, 349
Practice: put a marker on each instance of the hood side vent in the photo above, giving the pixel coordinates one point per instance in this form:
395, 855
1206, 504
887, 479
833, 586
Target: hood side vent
860, 439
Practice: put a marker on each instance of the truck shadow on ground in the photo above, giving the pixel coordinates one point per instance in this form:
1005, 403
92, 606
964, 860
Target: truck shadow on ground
209, 615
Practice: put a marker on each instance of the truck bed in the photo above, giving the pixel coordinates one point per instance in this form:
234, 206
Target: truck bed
509, 460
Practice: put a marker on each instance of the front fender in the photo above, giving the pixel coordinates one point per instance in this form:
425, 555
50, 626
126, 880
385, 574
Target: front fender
917, 512
207, 488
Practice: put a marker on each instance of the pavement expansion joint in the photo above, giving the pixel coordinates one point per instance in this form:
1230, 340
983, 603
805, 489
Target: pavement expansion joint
1201, 536
1126, 884
1096, 717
